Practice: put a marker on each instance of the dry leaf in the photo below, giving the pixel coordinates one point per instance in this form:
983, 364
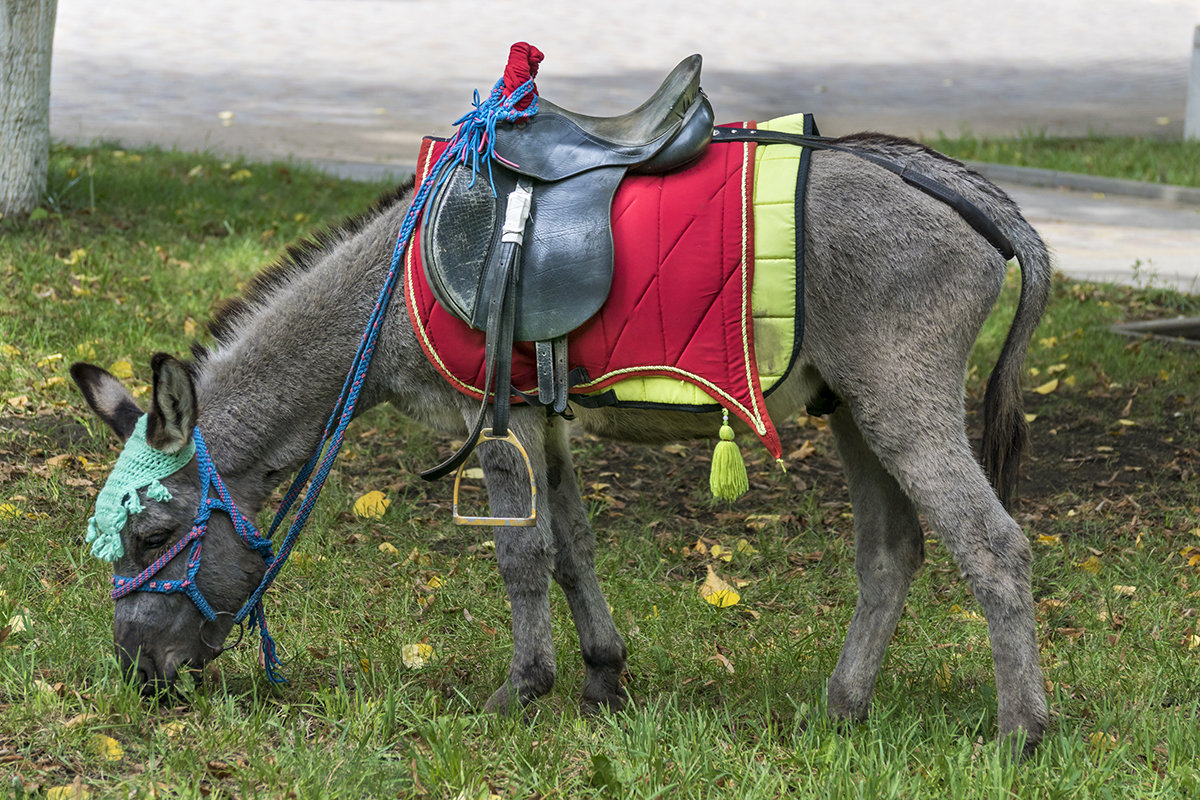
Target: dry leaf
717, 592
9, 511
174, 729
371, 505
942, 677
1047, 539
1047, 387
414, 656
760, 521
1124, 591
722, 553
1091, 564
75, 791
722, 660
474, 473
804, 451
744, 548
387, 548
107, 747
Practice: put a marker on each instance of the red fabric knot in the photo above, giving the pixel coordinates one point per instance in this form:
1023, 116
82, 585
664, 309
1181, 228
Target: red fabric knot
523, 60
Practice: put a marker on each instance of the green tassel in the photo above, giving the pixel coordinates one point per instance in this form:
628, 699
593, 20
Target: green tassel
728, 479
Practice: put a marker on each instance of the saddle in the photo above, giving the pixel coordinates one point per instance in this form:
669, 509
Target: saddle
522, 249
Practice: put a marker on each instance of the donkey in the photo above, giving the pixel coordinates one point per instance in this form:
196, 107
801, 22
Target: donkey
896, 290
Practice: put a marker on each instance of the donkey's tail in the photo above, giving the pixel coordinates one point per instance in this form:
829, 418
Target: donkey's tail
1005, 431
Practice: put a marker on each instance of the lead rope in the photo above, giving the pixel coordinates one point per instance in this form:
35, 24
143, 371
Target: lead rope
474, 141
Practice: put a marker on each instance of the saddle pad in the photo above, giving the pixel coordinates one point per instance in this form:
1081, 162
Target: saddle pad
678, 329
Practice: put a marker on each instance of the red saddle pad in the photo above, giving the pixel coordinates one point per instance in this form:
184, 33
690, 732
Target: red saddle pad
679, 306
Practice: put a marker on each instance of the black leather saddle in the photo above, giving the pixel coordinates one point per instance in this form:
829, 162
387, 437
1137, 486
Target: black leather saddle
541, 285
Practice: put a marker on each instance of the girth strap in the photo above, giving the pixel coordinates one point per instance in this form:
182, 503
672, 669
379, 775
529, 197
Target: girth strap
971, 213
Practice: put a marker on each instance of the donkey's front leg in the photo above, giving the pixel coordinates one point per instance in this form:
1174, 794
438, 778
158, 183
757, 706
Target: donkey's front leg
525, 557
600, 643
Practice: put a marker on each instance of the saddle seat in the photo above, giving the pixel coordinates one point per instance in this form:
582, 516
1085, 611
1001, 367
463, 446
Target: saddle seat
658, 136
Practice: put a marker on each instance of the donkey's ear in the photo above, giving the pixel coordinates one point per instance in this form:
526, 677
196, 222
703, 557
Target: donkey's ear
108, 398
172, 405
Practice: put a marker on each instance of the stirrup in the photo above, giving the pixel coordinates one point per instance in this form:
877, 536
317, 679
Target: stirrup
507, 522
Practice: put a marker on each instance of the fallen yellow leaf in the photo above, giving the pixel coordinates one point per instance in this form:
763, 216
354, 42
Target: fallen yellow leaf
9, 351
75, 791
1091, 564
1124, 591
107, 747
434, 582
1046, 539
75, 256
942, 677
744, 548
9, 511
174, 729
723, 553
414, 656
387, 548
371, 505
1047, 387
717, 592
1030, 417
122, 370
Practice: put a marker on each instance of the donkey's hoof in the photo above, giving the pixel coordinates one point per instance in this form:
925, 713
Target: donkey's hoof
505, 701
607, 699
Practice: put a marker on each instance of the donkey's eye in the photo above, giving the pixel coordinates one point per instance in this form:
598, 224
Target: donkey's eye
155, 540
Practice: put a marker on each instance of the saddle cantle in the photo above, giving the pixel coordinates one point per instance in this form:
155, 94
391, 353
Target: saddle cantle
572, 163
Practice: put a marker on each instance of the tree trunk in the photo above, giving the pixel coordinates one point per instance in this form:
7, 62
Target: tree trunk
26, 39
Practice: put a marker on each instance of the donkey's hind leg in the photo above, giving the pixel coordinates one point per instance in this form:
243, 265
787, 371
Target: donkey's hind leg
889, 550
930, 457
600, 644
524, 556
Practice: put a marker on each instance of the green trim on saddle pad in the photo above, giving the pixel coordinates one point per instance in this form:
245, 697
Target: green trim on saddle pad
140, 466
773, 293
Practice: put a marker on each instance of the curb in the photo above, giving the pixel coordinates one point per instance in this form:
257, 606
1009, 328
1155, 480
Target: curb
1054, 179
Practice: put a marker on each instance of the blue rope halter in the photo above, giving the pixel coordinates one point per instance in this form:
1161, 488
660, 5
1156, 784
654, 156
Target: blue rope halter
473, 143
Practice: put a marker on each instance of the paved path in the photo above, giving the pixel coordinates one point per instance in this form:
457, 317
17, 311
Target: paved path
354, 84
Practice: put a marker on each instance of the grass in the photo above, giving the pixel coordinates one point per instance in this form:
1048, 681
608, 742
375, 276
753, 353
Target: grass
1128, 157
131, 256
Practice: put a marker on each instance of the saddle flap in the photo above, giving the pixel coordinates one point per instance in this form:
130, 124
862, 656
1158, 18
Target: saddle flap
566, 263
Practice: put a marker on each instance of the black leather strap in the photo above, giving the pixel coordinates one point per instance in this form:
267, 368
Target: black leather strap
971, 213
498, 364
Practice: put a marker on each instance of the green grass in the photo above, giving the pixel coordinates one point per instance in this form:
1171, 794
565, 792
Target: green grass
166, 235
1131, 158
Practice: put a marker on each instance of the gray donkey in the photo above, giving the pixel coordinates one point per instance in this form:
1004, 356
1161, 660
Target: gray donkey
897, 288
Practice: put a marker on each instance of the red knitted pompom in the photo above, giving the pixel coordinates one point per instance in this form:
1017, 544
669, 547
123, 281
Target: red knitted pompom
523, 60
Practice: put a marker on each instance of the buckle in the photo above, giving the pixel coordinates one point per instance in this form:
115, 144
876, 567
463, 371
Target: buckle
508, 522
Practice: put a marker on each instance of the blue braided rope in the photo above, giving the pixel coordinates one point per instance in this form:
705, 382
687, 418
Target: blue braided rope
474, 140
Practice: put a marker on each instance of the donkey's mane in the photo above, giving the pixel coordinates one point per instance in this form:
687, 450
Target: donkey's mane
298, 258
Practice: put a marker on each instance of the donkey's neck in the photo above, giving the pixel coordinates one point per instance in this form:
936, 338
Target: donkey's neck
267, 390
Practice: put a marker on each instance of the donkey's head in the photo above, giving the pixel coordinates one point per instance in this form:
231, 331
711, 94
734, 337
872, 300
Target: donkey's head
147, 516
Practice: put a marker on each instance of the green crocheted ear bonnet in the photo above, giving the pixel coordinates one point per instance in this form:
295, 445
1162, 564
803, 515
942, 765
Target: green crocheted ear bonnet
139, 466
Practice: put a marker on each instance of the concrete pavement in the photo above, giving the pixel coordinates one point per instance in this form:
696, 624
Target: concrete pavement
353, 85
